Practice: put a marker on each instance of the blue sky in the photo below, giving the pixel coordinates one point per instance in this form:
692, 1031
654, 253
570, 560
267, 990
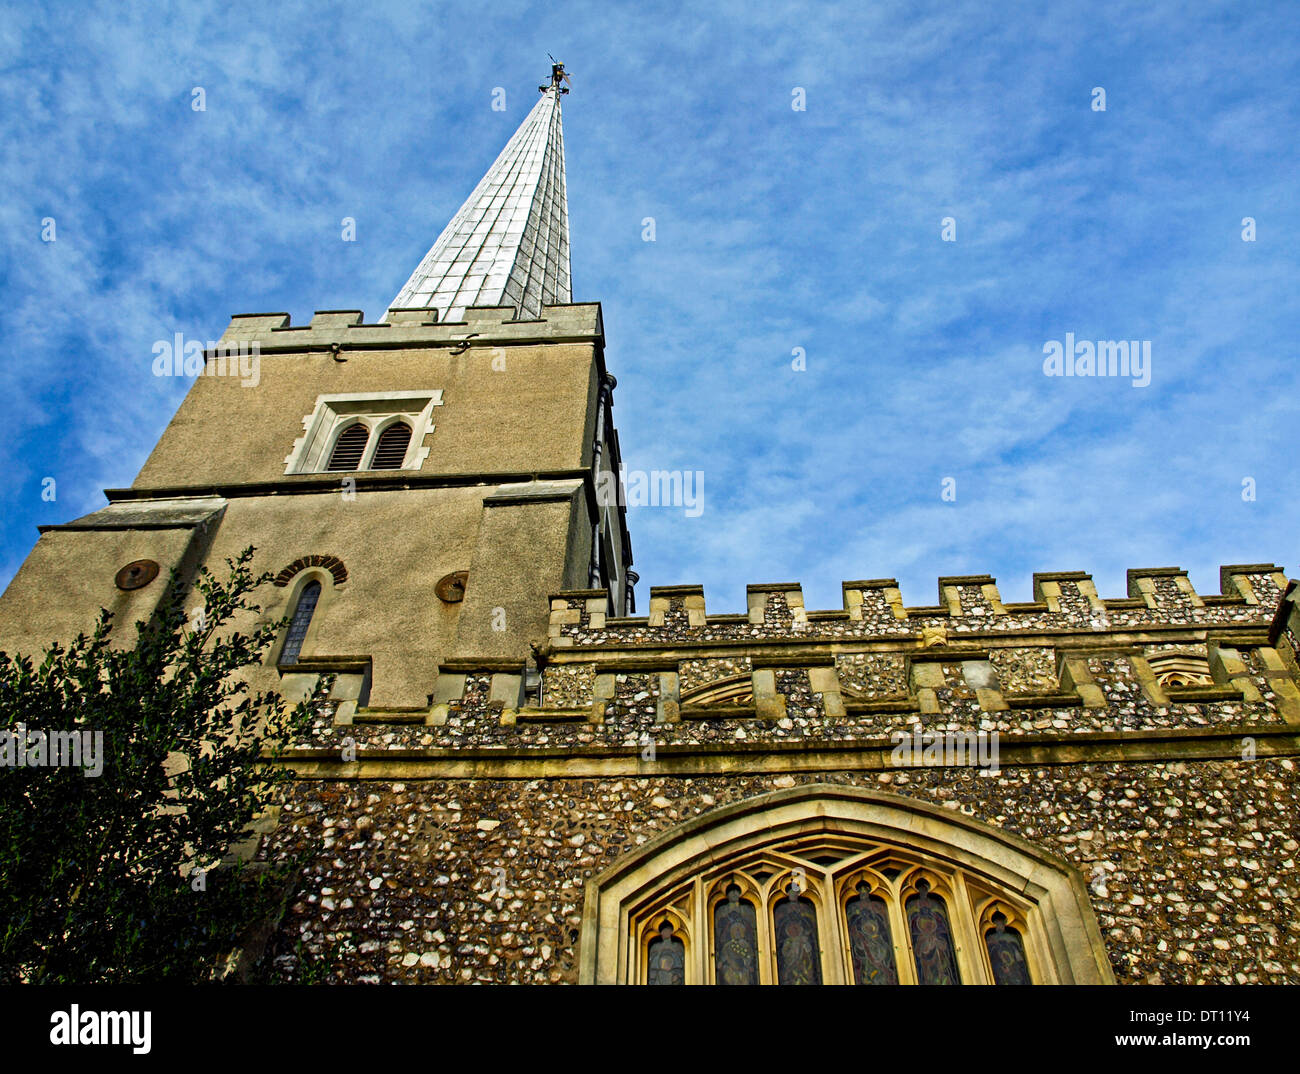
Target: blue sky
775, 229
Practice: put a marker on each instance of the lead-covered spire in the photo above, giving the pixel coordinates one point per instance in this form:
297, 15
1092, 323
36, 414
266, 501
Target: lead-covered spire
509, 243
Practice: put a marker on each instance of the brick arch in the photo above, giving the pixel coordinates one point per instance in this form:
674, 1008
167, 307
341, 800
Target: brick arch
330, 563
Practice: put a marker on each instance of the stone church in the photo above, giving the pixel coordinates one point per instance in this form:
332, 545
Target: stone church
519, 778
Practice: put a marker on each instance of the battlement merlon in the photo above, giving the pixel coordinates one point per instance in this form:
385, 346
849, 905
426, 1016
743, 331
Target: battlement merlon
1251, 593
483, 326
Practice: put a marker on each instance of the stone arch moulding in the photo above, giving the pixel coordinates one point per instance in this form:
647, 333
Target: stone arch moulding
1054, 889
330, 563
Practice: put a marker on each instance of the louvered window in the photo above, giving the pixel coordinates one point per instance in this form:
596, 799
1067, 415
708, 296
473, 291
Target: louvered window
300, 622
349, 447
390, 452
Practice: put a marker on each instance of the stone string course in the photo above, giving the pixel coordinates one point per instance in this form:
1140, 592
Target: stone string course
631, 714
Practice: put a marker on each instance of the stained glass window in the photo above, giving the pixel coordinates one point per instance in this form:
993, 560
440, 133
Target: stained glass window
1006, 953
300, 622
932, 947
666, 958
831, 911
870, 944
798, 957
735, 940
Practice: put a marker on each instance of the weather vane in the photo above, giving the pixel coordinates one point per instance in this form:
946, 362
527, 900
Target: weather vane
558, 75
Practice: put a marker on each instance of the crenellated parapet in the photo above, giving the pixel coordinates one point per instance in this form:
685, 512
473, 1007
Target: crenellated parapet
967, 604
1162, 655
348, 329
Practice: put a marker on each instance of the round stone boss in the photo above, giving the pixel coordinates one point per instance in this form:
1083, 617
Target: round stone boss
136, 575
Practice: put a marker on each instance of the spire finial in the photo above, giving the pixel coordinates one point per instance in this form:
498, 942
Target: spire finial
558, 75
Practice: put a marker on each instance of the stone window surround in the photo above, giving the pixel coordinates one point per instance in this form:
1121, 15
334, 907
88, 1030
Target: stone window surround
335, 412
1063, 930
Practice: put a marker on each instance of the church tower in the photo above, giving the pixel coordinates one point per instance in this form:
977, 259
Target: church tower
419, 484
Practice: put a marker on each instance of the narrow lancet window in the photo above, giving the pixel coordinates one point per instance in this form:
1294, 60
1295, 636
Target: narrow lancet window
666, 958
871, 946
1006, 953
932, 946
300, 622
798, 955
735, 940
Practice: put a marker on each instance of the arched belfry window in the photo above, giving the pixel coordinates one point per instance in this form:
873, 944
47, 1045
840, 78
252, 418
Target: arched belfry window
349, 447
826, 884
389, 430
390, 451
299, 622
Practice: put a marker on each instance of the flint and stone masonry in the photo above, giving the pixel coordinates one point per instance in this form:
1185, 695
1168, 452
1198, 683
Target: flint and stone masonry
459, 847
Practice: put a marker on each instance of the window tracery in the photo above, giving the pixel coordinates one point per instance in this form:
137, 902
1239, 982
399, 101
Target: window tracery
835, 884
882, 914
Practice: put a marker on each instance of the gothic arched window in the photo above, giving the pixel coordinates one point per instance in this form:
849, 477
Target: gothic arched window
838, 885
301, 620
390, 452
349, 447
837, 908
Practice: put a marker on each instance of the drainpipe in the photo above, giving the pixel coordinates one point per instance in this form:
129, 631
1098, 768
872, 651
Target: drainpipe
603, 404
